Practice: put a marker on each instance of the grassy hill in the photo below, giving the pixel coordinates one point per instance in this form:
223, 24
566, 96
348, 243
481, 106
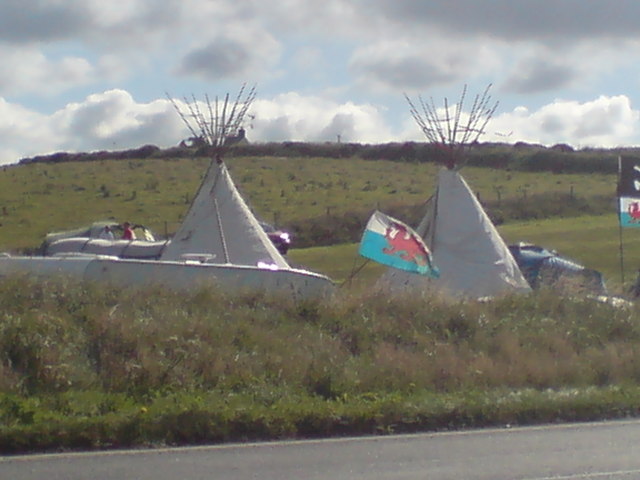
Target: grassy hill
39, 197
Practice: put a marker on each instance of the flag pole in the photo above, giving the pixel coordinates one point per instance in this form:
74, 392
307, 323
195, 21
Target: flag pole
354, 272
620, 223
621, 251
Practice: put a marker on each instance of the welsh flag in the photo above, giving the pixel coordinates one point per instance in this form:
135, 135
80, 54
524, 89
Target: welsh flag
391, 242
629, 192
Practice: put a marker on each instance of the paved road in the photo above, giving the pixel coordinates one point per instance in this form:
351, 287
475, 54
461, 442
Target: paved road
594, 451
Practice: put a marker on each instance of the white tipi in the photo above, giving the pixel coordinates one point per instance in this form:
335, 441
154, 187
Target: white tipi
466, 247
220, 227
472, 258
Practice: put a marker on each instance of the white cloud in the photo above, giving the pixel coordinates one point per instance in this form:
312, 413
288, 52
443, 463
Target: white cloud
603, 122
113, 120
292, 117
22, 132
29, 70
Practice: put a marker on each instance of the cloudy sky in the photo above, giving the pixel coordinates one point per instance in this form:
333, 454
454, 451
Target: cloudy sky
85, 75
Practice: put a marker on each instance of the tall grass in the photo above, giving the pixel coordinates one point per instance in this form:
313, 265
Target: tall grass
84, 365
56, 336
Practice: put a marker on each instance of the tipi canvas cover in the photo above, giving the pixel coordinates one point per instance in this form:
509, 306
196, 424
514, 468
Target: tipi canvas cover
220, 227
467, 249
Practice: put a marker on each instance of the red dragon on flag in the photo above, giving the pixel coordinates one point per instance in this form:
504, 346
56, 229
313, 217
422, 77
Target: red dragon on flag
405, 244
391, 242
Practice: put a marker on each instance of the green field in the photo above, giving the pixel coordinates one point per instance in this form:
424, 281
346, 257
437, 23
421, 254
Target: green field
42, 197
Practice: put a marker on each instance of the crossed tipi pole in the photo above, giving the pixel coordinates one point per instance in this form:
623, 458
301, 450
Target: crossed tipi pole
214, 120
449, 128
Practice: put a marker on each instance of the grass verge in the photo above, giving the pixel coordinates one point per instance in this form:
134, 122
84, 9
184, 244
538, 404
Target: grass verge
65, 422
88, 366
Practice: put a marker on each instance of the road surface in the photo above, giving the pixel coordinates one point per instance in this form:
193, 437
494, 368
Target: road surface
594, 451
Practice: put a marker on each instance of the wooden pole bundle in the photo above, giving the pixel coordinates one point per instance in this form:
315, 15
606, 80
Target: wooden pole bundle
215, 120
446, 127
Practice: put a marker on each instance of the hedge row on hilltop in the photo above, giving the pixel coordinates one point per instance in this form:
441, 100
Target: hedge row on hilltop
520, 156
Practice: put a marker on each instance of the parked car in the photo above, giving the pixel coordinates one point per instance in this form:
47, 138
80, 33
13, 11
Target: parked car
93, 231
543, 267
280, 238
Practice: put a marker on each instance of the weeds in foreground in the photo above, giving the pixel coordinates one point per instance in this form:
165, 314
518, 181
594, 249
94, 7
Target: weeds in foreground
116, 364
56, 337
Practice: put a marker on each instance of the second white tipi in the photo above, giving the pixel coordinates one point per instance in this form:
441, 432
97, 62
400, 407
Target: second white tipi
466, 247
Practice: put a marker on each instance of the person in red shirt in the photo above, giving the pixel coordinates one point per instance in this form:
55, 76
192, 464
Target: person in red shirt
127, 232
